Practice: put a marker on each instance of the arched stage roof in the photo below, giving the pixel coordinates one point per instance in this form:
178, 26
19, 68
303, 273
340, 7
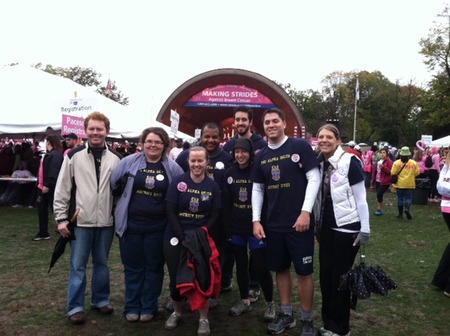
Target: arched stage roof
193, 115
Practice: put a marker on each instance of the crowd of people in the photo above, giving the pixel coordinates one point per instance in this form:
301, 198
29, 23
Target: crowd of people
259, 203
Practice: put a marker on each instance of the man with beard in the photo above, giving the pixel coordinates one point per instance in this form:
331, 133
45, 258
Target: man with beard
243, 120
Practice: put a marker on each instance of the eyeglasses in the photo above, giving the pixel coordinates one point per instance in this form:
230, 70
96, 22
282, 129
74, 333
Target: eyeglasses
153, 143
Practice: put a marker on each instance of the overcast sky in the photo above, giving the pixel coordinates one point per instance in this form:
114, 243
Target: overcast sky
151, 47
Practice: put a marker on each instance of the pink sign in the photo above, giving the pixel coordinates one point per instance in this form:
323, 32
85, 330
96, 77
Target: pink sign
73, 124
230, 96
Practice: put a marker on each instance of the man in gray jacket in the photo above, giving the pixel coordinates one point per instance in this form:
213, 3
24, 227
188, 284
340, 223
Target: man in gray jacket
84, 183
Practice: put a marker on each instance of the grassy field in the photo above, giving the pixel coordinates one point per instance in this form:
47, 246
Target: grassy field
33, 302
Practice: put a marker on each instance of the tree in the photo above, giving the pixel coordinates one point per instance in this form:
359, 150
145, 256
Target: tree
386, 111
436, 50
86, 77
310, 105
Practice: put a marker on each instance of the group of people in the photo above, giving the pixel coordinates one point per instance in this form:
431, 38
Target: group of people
207, 209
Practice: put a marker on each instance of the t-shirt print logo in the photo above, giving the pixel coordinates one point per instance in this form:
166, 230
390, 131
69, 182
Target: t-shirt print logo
193, 204
243, 195
275, 171
150, 182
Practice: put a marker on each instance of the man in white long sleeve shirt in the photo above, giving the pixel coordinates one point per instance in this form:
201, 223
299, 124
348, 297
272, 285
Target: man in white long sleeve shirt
286, 173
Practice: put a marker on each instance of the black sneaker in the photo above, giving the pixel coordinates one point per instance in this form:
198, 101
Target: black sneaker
39, 237
408, 215
307, 328
282, 322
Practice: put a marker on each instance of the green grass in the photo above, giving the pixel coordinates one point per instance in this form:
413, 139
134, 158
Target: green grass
33, 302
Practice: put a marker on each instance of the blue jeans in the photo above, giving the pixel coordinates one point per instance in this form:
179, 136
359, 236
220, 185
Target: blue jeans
98, 242
404, 197
141, 250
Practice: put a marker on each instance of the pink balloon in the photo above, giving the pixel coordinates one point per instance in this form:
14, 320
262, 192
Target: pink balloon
421, 145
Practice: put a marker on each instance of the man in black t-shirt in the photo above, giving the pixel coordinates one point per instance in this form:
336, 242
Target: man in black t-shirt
286, 175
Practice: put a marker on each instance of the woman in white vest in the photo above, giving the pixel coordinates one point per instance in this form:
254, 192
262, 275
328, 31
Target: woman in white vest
441, 277
342, 219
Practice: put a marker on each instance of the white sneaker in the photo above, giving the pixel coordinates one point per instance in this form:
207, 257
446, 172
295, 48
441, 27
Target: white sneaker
325, 332
172, 321
203, 328
145, 317
132, 317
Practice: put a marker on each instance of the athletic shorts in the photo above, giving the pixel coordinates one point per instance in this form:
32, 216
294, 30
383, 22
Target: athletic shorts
292, 247
253, 242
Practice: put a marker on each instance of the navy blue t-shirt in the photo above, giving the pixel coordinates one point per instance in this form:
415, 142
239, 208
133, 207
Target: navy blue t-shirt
237, 188
195, 201
283, 172
148, 195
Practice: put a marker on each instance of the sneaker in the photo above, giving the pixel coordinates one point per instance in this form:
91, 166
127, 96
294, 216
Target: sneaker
240, 308
77, 318
145, 318
105, 310
213, 303
282, 322
269, 312
325, 332
253, 295
408, 215
172, 321
132, 317
308, 328
378, 213
17, 206
39, 237
447, 294
203, 328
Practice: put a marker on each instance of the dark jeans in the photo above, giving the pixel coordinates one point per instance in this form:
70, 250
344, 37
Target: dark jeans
43, 202
141, 250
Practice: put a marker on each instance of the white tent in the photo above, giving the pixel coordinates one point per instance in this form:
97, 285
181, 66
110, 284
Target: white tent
442, 142
31, 100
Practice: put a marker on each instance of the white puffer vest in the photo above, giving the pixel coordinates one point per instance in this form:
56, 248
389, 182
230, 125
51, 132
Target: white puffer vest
341, 192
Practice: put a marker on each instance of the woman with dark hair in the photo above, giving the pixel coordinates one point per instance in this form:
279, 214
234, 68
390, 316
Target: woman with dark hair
342, 226
237, 200
383, 179
47, 176
140, 220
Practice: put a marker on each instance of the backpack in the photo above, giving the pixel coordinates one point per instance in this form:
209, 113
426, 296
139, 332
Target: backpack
429, 161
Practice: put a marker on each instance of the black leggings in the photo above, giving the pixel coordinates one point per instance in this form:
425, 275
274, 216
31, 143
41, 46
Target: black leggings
260, 266
381, 189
